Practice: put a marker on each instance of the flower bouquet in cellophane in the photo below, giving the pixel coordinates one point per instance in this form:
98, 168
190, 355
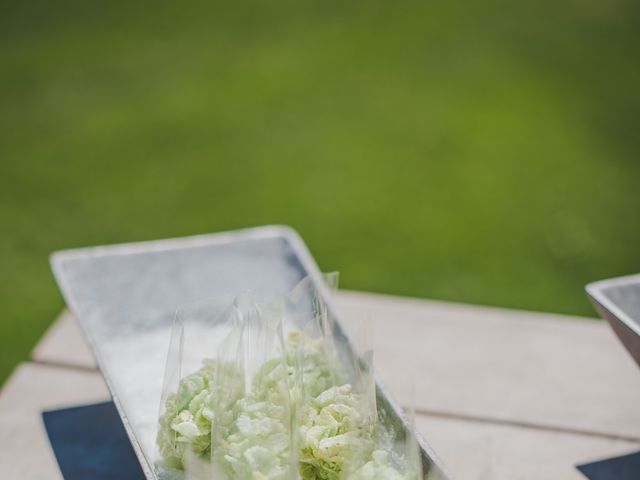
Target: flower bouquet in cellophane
270, 391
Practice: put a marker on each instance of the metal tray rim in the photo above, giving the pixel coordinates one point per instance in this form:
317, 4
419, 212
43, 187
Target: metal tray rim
596, 291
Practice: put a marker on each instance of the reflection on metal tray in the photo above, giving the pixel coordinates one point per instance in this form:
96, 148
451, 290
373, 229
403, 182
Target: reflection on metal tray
618, 301
125, 296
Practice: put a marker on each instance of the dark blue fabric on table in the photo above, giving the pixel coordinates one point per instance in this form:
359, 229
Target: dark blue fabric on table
626, 467
90, 443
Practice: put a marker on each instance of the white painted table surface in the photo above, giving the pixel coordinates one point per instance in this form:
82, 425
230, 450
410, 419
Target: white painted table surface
499, 394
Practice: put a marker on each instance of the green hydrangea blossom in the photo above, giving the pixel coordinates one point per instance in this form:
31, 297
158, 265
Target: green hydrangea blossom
253, 441
335, 435
186, 421
253, 436
377, 468
290, 403
310, 363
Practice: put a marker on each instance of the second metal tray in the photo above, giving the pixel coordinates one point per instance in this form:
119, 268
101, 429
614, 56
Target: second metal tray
618, 301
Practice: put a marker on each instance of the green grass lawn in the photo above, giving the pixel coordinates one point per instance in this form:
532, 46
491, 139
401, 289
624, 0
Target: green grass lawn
483, 153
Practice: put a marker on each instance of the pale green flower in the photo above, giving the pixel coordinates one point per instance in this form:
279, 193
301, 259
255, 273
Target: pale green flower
335, 436
290, 403
186, 421
377, 468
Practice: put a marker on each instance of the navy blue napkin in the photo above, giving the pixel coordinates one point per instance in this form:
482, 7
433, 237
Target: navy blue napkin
626, 467
90, 443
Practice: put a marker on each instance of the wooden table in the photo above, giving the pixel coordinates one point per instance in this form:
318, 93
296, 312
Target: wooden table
499, 394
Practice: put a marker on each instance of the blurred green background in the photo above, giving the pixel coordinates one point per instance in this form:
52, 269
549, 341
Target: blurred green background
483, 152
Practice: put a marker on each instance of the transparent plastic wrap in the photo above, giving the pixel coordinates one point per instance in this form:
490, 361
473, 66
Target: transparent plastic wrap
269, 392
341, 434
252, 434
187, 403
225, 410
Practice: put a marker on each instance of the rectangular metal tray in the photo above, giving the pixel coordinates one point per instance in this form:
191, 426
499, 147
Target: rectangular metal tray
617, 300
125, 297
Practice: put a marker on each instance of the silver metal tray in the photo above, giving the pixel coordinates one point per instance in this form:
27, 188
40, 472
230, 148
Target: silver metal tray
618, 301
125, 297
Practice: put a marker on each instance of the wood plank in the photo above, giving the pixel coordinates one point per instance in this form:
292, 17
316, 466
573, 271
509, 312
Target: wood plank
26, 453
512, 366
485, 451
64, 344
